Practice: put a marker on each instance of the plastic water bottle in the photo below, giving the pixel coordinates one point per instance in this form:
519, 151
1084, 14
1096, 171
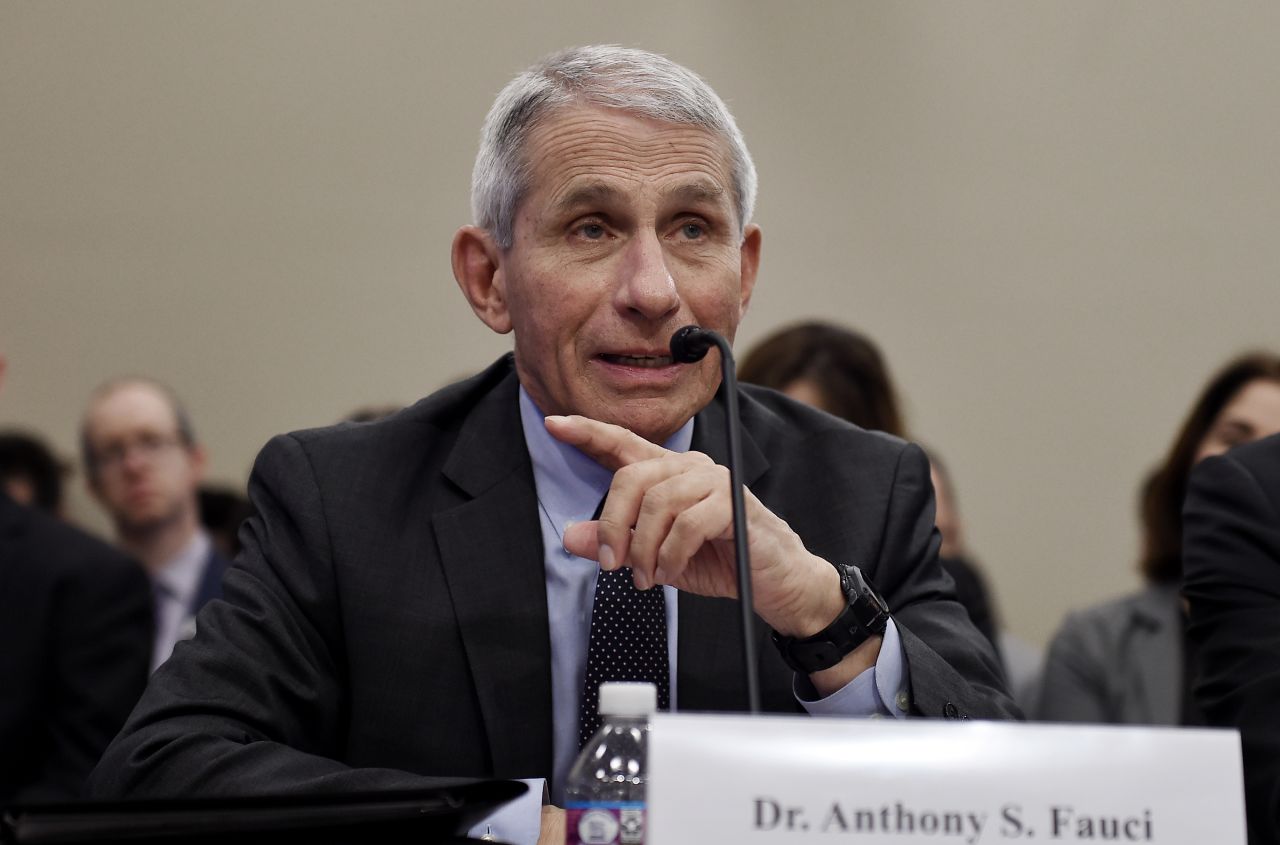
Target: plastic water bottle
604, 792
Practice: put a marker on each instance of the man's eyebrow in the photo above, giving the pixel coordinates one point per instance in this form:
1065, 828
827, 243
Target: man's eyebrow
694, 192
602, 193
591, 193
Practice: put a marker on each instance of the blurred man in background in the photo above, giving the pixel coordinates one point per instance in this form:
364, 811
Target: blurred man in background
144, 467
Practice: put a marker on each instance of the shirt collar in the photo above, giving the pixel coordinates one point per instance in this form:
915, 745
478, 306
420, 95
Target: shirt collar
570, 484
180, 577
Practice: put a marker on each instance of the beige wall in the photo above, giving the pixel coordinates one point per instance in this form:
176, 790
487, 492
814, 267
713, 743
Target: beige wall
1057, 218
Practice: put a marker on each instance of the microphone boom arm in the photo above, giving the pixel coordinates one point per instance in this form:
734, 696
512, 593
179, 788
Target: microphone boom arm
689, 345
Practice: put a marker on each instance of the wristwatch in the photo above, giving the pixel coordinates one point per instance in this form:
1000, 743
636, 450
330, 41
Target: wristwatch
865, 616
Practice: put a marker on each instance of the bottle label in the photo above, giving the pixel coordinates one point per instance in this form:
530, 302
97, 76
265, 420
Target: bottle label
604, 823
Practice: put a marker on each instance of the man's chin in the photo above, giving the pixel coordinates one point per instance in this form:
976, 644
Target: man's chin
141, 522
655, 420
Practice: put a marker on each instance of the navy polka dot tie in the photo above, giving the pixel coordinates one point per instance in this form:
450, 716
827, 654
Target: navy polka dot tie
628, 642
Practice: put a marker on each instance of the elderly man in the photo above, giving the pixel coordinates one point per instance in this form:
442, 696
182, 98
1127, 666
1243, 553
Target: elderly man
144, 467
422, 594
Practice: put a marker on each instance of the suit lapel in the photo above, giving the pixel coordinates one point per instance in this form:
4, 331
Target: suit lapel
210, 581
708, 647
491, 553
709, 438
1157, 655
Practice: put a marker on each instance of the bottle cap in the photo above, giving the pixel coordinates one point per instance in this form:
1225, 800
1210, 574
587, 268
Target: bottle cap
619, 698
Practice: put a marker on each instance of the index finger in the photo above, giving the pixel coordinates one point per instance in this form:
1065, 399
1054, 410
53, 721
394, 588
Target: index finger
609, 445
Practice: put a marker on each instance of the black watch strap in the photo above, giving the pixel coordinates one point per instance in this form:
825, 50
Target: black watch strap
865, 616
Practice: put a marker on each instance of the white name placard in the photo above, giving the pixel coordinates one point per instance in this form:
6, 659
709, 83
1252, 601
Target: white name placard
782, 779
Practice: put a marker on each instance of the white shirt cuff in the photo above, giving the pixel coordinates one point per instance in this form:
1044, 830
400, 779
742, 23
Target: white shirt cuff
518, 822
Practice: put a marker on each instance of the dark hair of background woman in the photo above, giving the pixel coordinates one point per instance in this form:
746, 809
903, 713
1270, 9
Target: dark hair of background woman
1162, 495
844, 365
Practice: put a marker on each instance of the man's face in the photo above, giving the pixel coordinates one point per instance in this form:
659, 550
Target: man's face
143, 473
629, 231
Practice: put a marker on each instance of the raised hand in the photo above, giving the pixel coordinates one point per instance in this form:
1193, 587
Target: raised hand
669, 517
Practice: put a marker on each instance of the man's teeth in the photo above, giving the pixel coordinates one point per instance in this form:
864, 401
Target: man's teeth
641, 360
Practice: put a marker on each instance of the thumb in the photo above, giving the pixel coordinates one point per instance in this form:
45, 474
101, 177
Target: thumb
582, 539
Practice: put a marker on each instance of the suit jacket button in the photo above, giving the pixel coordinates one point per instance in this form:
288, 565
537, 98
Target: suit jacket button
903, 701
949, 710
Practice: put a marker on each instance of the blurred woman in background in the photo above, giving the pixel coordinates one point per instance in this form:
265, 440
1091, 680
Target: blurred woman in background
842, 372
1126, 660
838, 370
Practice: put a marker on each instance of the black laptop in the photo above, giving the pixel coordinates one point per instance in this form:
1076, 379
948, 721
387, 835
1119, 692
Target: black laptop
421, 816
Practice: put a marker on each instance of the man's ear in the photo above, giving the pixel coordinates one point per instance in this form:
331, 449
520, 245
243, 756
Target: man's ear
477, 267
199, 461
750, 265
93, 483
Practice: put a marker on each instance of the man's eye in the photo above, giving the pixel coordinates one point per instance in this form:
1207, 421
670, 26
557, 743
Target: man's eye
692, 231
592, 231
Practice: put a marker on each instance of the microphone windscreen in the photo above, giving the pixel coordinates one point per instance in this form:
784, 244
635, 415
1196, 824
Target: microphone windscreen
690, 344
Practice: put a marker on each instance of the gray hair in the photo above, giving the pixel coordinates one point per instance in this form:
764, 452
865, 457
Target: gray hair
610, 76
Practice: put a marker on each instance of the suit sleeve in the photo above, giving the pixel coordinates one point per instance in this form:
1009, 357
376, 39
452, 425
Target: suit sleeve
256, 701
101, 655
952, 669
1231, 561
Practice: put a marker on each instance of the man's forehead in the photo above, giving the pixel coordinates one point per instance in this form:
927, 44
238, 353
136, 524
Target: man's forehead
592, 189
132, 404
591, 153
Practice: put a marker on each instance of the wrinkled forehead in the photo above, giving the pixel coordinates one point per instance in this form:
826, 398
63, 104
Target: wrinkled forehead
581, 152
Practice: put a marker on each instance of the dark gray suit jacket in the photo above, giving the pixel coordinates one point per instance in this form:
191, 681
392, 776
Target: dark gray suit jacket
75, 648
388, 614
1231, 567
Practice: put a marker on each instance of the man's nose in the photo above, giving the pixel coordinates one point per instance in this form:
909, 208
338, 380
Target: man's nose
134, 460
647, 289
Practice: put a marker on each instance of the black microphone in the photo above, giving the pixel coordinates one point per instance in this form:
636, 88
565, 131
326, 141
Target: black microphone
688, 346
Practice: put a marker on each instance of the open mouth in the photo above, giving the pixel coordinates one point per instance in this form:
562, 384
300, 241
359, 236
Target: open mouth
645, 361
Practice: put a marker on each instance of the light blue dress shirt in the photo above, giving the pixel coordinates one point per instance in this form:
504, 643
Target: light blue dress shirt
175, 587
570, 486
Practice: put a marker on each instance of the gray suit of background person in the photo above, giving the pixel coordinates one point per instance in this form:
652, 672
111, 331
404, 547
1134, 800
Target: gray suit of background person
1126, 660
389, 615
